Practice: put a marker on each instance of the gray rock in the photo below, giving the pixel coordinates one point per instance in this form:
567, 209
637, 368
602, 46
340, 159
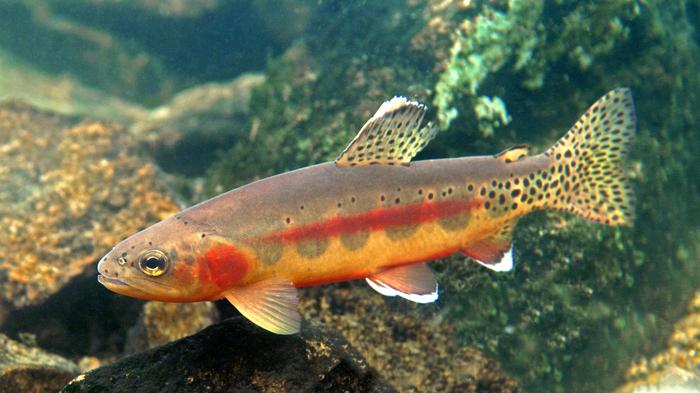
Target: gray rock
235, 355
184, 133
26, 369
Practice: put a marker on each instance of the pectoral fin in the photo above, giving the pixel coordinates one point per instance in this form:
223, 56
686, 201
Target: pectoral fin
413, 282
270, 304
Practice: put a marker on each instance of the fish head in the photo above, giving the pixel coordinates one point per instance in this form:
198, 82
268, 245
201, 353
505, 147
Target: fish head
162, 263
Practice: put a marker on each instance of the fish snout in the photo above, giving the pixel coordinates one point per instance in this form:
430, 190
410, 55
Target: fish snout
101, 265
106, 268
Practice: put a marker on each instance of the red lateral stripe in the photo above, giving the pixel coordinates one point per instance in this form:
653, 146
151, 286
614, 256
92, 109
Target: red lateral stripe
376, 219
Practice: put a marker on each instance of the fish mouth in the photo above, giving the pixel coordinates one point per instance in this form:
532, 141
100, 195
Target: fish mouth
122, 288
106, 281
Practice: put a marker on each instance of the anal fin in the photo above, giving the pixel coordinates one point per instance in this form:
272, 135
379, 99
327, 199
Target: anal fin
270, 304
412, 282
494, 252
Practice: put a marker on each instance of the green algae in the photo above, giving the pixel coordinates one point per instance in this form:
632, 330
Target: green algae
522, 41
495, 38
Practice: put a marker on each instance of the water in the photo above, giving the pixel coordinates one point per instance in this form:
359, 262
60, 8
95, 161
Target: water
207, 95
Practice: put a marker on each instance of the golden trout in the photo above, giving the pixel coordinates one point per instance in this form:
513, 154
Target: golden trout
374, 214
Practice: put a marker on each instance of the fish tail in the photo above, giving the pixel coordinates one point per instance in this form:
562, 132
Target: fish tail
586, 174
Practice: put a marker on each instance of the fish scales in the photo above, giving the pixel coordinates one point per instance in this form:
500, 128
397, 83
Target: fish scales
373, 199
374, 214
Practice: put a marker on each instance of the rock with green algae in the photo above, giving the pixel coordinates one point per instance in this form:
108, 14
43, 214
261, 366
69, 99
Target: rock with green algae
492, 39
585, 300
26, 369
69, 191
237, 355
515, 36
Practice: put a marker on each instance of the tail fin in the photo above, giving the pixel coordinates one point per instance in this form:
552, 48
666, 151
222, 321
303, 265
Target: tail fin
587, 162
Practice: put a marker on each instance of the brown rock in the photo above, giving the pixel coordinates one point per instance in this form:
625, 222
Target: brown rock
390, 332
161, 323
69, 191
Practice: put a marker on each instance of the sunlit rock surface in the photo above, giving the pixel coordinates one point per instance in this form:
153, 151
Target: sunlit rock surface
69, 191
675, 369
236, 355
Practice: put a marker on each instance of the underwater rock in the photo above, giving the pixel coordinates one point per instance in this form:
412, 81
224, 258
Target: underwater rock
197, 122
25, 369
146, 51
20, 80
69, 191
236, 353
164, 8
678, 366
160, 323
390, 332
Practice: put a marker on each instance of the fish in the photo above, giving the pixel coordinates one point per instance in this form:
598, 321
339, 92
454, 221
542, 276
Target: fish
375, 214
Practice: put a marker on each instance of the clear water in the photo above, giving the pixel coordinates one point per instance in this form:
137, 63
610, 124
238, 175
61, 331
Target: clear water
217, 94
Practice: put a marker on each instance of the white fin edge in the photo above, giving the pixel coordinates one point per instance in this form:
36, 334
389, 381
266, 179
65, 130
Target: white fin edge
504, 265
414, 297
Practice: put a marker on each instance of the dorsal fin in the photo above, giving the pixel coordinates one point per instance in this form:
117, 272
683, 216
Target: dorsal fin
513, 153
392, 136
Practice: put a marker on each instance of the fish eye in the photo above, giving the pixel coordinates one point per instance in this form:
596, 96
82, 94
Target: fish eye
153, 263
